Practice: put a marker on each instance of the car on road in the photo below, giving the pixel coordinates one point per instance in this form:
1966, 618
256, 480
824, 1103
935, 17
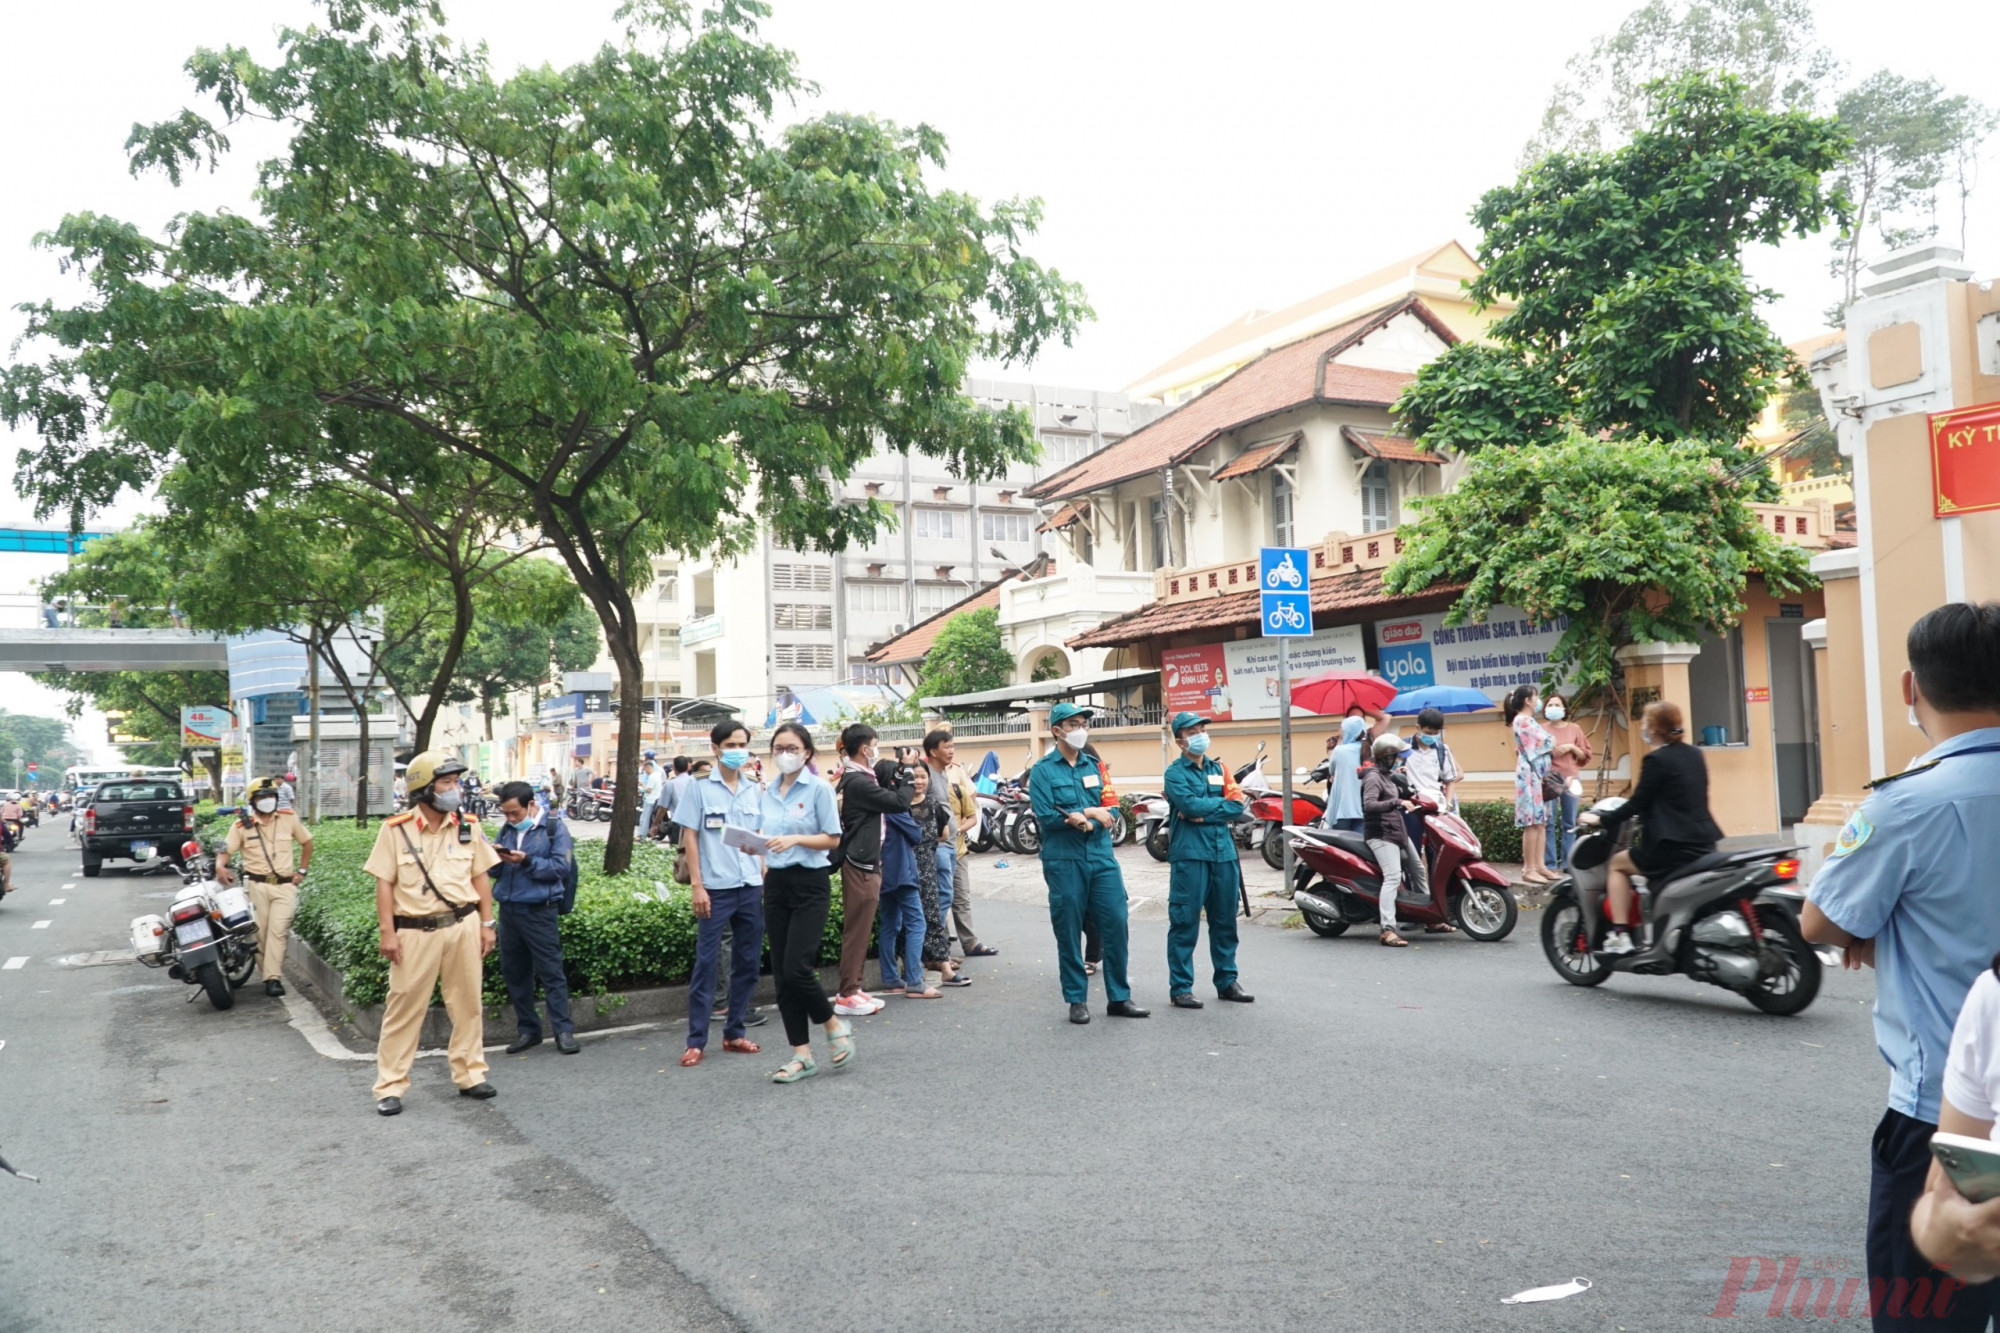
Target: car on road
136, 819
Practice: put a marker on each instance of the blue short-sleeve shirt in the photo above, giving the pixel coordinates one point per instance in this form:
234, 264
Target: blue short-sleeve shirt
805, 806
708, 806
1917, 870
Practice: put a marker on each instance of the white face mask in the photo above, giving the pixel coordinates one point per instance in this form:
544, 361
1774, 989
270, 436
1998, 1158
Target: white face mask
265, 805
1076, 737
790, 761
1556, 712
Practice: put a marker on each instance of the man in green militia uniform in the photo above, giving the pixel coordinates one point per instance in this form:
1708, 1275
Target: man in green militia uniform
1066, 789
1203, 870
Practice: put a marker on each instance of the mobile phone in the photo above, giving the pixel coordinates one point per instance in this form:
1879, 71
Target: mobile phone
1973, 1164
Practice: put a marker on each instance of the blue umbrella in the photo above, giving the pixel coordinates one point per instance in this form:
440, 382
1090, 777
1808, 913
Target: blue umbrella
1444, 698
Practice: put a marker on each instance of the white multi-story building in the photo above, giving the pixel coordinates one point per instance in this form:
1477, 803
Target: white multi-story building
774, 619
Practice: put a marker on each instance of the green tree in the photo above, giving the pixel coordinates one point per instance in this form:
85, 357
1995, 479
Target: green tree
655, 317
1770, 45
967, 656
43, 741
1912, 140
1632, 541
1633, 317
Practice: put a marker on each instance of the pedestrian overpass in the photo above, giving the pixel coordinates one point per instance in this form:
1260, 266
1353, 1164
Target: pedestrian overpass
65, 649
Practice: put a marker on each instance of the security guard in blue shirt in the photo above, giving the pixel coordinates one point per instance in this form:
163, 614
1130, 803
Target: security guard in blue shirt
1909, 888
1203, 872
1066, 790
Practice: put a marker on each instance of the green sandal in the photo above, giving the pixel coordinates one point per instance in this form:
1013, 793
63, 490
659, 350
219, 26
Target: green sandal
795, 1069
841, 1044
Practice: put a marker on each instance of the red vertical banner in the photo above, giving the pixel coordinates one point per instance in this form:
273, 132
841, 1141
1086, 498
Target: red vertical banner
1195, 680
1965, 460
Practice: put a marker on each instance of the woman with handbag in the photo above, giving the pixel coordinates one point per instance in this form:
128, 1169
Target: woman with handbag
1534, 782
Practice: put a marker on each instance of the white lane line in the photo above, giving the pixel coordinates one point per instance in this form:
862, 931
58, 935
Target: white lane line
13, 965
41, 925
69, 886
57, 902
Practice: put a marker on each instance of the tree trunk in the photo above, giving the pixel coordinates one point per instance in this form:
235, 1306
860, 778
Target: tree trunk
454, 649
214, 765
486, 707
361, 767
625, 802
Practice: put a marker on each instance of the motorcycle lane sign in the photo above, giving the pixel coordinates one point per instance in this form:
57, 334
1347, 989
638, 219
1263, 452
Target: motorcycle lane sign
1285, 603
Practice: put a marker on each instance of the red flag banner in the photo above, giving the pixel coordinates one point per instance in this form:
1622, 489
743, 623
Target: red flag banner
1965, 459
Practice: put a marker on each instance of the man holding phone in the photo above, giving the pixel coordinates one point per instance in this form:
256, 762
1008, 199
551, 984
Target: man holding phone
530, 884
1908, 890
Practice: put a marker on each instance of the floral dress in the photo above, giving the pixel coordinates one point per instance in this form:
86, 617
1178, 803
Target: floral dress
931, 815
1532, 745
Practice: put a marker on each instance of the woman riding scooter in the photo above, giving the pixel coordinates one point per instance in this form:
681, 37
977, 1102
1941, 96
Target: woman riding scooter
1673, 798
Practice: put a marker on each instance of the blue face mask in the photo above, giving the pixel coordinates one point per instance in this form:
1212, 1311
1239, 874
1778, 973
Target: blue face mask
1198, 743
735, 758
1425, 738
525, 822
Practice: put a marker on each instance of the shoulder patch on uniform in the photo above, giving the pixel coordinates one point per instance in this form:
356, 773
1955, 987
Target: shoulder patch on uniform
1856, 831
403, 818
1906, 773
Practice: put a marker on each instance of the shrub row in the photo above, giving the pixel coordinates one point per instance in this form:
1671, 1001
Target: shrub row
1493, 821
628, 931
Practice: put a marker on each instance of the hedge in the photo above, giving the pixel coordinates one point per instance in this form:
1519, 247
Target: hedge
1493, 822
628, 931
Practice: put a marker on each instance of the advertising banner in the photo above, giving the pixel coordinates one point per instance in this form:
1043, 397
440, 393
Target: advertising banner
204, 725
1239, 680
1507, 650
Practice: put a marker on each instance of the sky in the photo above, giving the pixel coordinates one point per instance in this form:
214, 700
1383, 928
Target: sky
1194, 160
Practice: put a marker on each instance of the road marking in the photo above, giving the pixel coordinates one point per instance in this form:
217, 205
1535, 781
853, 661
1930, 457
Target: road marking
41, 925
99, 958
13, 964
305, 1016
57, 902
69, 886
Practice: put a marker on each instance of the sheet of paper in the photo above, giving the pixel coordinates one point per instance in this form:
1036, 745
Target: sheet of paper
743, 839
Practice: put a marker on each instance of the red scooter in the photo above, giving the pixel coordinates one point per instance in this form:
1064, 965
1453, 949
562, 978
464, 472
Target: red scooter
1269, 810
1338, 884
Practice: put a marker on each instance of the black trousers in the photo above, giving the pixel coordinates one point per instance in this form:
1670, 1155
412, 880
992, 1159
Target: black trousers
796, 902
1903, 1280
531, 952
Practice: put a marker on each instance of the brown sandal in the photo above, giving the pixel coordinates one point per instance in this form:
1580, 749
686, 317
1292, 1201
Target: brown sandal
1440, 928
1391, 940
742, 1044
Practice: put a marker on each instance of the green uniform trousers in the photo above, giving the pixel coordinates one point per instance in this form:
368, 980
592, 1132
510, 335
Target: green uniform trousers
1098, 888
1193, 886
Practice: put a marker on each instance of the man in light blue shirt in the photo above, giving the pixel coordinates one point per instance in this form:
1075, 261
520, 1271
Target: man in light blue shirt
1913, 888
728, 887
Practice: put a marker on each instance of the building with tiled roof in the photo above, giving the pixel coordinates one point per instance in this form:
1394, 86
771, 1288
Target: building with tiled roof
1438, 274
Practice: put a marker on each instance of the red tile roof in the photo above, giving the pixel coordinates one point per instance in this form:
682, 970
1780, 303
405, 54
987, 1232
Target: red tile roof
1259, 458
1394, 448
1359, 591
1063, 517
913, 644
1284, 377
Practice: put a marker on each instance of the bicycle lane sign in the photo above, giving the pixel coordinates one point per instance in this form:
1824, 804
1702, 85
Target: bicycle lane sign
1283, 575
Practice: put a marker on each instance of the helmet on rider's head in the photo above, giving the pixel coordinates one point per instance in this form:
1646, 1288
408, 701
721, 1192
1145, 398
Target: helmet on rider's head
428, 767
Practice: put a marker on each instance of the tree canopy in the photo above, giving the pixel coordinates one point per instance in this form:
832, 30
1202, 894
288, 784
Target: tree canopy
967, 656
1632, 315
1635, 541
656, 319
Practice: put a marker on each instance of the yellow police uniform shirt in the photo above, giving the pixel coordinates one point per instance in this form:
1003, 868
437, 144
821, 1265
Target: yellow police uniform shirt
452, 864
283, 835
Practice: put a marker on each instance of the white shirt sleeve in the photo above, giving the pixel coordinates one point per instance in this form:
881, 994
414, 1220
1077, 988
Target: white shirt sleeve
1970, 1075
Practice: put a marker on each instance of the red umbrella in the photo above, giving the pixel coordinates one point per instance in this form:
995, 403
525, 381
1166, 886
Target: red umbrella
1338, 691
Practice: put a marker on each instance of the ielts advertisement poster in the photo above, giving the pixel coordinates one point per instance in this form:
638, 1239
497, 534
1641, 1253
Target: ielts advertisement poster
1237, 681
1508, 649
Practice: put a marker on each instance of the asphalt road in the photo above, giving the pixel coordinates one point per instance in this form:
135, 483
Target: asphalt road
1385, 1140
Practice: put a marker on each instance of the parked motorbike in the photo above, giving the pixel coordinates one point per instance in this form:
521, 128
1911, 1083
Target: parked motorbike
1338, 882
208, 938
1150, 813
1268, 810
1730, 919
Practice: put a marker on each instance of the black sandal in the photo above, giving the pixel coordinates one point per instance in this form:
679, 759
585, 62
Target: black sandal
1389, 939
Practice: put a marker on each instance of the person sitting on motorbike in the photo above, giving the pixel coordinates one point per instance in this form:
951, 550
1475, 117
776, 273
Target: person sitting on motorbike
1672, 796
1383, 801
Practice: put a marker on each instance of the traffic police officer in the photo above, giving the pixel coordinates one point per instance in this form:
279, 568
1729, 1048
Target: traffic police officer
1066, 789
269, 840
435, 908
1203, 872
1908, 887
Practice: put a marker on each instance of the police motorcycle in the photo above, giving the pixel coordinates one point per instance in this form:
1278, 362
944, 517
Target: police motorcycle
208, 938
1730, 919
